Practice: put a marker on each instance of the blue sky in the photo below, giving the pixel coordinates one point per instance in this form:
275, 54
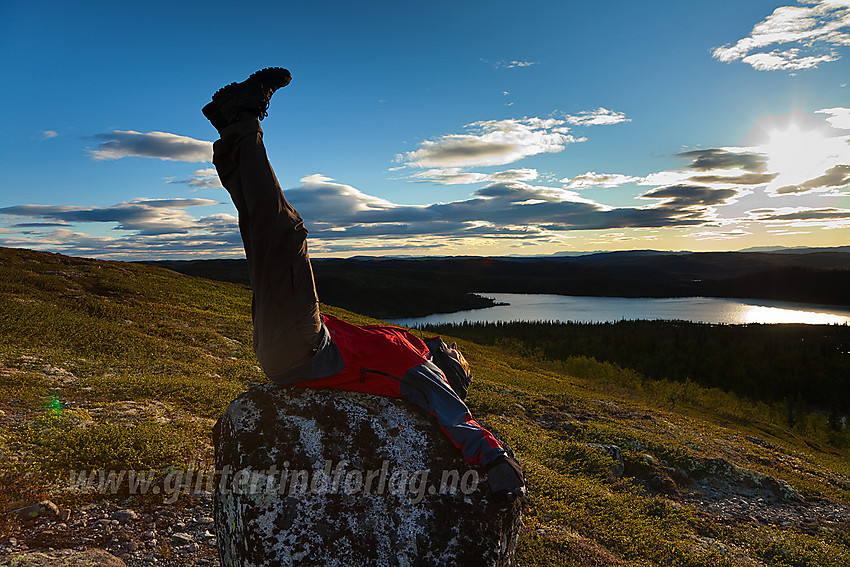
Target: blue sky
438, 128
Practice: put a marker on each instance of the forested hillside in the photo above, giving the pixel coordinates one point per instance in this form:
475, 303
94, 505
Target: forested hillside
796, 370
413, 287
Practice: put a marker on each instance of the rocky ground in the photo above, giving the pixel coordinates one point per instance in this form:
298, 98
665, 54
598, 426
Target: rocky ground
715, 487
181, 534
176, 534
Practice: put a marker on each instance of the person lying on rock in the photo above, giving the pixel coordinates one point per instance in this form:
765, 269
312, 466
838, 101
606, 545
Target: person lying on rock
297, 345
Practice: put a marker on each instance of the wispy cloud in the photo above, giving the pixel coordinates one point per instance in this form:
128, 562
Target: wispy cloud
603, 180
691, 197
147, 216
144, 229
47, 134
456, 176
599, 117
836, 176
492, 142
120, 144
344, 219
721, 158
743, 179
201, 179
448, 159
804, 36
798, 215
39, 224
201, 244
719, 234
513, 64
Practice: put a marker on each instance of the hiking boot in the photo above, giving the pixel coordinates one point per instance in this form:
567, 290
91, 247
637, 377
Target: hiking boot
505, 479
248, 99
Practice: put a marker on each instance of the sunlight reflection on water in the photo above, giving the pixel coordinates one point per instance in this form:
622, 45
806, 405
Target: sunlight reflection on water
541, 307
762, 314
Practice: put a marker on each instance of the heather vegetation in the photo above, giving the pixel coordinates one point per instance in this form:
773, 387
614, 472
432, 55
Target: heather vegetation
107, 364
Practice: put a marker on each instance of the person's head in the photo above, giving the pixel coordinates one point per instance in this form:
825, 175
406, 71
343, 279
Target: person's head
455, 353
452, 363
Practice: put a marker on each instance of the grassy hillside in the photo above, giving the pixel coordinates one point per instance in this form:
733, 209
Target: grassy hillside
116, 365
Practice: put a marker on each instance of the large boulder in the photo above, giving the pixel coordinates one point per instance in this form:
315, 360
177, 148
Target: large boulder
329, 477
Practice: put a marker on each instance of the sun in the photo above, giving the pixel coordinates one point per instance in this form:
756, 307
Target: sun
798, 155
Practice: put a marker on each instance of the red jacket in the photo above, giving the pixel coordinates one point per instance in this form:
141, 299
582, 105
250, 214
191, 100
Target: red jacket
376, 357
392, 362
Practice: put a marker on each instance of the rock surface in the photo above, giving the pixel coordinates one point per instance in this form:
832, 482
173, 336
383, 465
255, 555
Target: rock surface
341, 478
43, 509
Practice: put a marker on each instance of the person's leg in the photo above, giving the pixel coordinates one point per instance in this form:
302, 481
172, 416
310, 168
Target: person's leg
425, 387
287, 323
288, 328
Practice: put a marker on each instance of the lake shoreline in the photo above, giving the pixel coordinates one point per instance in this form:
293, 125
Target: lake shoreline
509, 307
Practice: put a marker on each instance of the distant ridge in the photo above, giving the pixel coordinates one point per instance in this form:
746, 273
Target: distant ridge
409, 287
797, 249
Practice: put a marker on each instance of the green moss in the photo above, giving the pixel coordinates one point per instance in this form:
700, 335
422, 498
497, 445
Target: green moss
789, 549
68, 440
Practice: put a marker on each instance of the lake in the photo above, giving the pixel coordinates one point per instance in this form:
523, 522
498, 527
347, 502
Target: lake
541, 307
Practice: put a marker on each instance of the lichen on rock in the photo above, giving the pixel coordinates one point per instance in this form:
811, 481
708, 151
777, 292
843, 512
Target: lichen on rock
330, 477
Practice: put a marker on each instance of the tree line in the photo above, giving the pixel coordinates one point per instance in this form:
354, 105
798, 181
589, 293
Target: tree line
804, 366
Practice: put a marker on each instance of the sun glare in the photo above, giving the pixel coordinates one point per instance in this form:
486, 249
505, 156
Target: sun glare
762, 314
798, 155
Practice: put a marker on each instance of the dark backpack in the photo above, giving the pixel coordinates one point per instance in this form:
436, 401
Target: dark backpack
459, 378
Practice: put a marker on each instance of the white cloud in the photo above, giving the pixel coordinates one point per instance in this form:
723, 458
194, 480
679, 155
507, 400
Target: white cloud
456, 176
147, 216
671, 177
838, 117
712, 188
522, 174
447, 159
718, 235
492, 142
330, 202
134, 246
511, 209
786, 60
342, 218
47, 134
120, 144
599, 117
513, 64
145, 229
807, 36
604, 180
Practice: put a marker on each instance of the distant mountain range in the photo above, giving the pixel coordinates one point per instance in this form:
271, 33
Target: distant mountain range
409, 287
